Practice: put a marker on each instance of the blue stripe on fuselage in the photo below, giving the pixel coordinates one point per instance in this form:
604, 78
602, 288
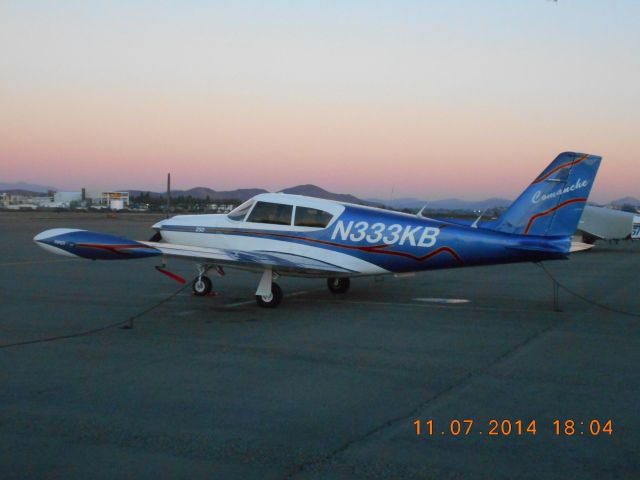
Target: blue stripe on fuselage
401, 242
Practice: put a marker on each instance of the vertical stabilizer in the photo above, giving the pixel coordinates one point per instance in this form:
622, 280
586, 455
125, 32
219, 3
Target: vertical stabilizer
553, 203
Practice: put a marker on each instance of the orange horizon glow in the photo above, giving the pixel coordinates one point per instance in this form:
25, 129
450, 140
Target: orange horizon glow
430, 101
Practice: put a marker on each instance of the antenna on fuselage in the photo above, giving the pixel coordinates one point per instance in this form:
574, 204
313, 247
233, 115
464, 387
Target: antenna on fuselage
475, 224
168, 193
419, 214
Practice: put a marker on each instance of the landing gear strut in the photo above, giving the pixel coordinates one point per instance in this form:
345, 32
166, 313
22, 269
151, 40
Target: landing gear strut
338, 285
269, 293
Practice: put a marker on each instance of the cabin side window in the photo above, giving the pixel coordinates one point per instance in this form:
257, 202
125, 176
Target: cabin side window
240, 211
311, 217
274, 213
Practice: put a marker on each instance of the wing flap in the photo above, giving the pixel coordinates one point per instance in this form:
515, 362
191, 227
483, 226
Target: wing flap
257, 260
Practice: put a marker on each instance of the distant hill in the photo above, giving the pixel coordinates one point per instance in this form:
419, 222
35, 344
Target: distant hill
24, 193
626, 201
317, 192
243, 194
446, 204
26, 187
201, 193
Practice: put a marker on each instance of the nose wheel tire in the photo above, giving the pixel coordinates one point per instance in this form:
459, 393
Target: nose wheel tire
201, 286
338, 285
273, 300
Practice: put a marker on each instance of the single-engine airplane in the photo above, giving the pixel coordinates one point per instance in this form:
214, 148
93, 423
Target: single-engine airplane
279, 234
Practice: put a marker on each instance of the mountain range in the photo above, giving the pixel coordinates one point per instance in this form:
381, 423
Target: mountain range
246, 193
626, 201
25, 187
201, 193
242, 194
446, 204
314, 191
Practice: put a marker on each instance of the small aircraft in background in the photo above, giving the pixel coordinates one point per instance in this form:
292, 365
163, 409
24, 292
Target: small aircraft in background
279, 234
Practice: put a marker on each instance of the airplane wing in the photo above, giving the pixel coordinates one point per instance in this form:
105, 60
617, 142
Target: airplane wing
102, 246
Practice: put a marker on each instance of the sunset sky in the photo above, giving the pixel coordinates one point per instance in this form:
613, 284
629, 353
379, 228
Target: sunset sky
434, 99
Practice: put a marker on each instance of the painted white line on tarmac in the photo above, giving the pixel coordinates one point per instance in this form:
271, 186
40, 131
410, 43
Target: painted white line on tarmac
249, 302
238, 304
428, 305
36, 262
442, 300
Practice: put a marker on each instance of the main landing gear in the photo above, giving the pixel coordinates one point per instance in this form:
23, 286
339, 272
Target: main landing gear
272, 300
338, 285
269, 293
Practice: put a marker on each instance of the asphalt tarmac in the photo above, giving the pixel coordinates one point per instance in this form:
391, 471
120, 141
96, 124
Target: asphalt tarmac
324, 387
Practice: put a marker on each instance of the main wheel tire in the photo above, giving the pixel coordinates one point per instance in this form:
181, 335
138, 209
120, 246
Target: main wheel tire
273, 300
201, 286
338, 285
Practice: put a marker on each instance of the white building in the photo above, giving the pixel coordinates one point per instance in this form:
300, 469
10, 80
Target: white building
113, 200
20, 202
67, 197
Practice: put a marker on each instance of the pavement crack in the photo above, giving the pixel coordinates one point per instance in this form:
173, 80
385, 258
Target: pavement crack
463, 381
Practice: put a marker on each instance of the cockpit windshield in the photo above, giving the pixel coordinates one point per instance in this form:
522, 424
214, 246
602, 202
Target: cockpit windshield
240, 211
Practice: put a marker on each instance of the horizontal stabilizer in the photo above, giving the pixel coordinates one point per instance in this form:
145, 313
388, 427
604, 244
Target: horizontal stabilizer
557, 247
580, 247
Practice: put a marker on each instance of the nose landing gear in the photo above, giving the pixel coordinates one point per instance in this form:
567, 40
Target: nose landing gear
201, 286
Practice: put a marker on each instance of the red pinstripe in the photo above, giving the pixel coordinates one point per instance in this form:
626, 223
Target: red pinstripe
560, 167
370, 249
551, 210
111, 248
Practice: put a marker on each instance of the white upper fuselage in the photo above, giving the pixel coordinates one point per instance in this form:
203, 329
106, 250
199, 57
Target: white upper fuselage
223, 220
221, 231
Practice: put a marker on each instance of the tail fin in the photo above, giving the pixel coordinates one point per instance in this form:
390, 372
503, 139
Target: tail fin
553, 203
